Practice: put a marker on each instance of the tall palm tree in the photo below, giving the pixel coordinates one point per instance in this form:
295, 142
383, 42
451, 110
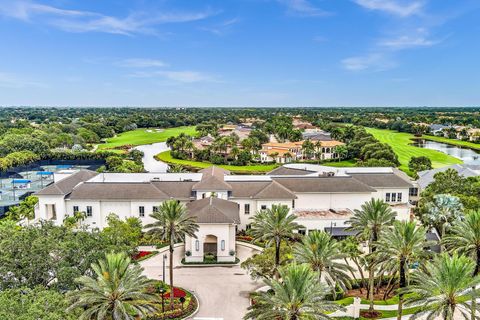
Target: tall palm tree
373, 217
171, 225
321, 252
400, 246
464, 238
116, 292
442, 287
273, 226
298, 295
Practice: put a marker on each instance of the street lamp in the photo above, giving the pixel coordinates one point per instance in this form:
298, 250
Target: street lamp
163, 273
162, 291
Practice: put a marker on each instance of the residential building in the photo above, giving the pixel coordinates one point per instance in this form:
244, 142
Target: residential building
323, 198
285, 152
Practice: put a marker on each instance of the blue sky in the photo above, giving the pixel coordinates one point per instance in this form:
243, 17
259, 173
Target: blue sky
243, 53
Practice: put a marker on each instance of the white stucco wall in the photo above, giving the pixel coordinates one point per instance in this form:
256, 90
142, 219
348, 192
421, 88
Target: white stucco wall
223, 232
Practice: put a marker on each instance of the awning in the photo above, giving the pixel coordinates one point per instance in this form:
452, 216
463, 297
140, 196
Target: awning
21, 181
44, 173
340, 232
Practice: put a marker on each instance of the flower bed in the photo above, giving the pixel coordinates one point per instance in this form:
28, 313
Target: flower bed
142, 255
185, 302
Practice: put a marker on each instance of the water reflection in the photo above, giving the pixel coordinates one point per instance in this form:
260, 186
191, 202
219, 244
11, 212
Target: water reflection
468, 156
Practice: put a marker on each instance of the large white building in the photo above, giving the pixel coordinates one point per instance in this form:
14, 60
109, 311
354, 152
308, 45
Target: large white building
323, 198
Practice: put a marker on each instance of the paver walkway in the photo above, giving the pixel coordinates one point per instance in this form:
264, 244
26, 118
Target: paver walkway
222, 291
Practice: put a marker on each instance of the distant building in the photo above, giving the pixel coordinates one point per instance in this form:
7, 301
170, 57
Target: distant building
426, 177
285, 152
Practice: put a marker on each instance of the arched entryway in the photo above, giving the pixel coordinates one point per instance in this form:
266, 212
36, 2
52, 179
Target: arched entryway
210, 244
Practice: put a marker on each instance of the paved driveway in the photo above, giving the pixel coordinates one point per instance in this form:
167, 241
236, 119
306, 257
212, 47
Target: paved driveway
222, 291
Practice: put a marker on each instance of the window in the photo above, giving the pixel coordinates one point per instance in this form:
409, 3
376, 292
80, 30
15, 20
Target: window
387, 197
394, 197
302, 231
89, 211
263, 207
293, 204
155, 209
141, 211
413, 192
222, 245
75, 209
203, 195
247, 208
399, 197
248, 227
197, 245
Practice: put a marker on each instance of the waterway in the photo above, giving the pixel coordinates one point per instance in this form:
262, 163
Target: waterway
149, 151
468, 156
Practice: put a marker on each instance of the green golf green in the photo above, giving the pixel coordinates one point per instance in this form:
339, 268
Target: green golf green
401, 145
144, 136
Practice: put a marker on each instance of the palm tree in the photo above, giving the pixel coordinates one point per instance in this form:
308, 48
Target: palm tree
116, 292
443, 287
171, 225
464, 238
374, 216
298, 295
273, 226
350, 247
400, 246
176, 168
443, 211
321, 252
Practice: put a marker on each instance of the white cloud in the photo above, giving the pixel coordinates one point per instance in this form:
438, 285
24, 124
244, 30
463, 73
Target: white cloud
303, 8
407, 42
184, 76
221, 28
373, 61
85, 21
141, 63
404, 9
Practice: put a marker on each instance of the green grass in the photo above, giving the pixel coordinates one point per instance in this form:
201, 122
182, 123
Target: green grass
459, 143
142, 136
401, 144
250, 169
343, 163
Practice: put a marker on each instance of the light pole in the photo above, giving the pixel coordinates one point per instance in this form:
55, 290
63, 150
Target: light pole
163, 273
162, 291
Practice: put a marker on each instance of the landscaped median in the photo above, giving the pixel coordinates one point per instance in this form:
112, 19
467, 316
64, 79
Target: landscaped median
196, 165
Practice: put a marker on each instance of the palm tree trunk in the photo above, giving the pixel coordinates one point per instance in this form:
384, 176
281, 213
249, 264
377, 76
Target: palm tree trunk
361, 274
371, 285
277, 256
403, 283
474, 293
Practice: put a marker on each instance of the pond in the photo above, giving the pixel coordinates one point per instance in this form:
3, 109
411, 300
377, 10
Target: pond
149, 151
468, 156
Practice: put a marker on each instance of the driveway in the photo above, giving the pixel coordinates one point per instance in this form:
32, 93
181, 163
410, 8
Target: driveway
222, 291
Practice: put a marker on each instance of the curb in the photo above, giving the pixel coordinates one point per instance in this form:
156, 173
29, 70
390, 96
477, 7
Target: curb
196, 310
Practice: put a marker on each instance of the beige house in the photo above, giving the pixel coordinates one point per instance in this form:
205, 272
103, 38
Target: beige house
292, 151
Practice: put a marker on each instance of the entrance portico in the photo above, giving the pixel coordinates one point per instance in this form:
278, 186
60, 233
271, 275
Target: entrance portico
217, 220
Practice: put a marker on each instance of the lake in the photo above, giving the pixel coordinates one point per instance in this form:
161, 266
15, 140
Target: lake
149, 151
468, 156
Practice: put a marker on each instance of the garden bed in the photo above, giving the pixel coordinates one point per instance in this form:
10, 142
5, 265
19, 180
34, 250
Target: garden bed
185, 303
143, 255
210, 262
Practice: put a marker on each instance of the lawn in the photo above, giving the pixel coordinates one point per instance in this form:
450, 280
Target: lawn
459, 143
401, 144
249, 169
144, 136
